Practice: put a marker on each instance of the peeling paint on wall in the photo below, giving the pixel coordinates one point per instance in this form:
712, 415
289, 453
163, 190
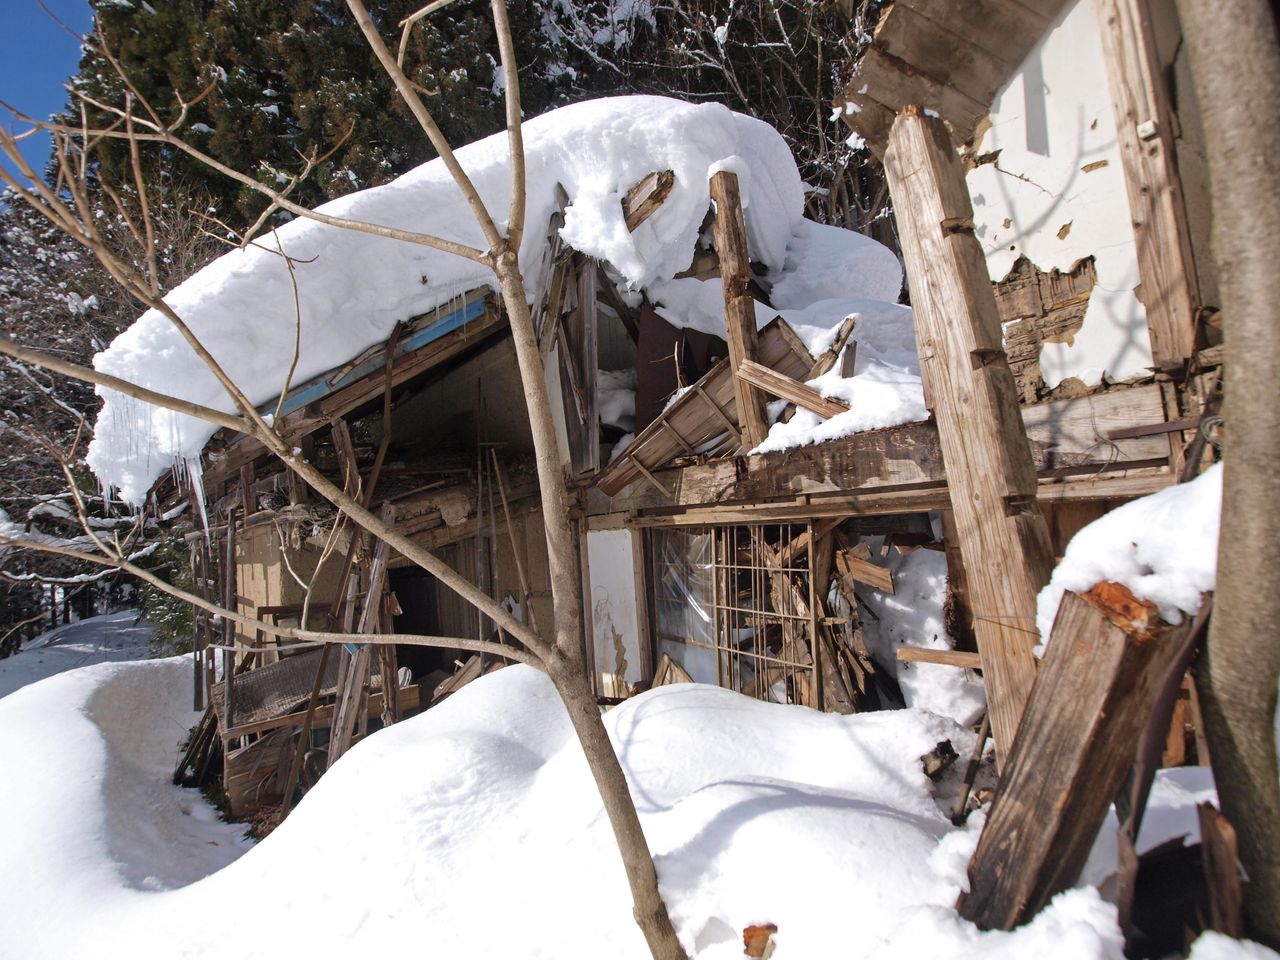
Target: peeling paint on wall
1054, 193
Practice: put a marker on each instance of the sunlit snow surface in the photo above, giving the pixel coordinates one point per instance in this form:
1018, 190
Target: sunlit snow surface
110, 637
353, 287
475, 828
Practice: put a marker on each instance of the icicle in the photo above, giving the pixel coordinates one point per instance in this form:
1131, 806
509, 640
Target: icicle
195, 475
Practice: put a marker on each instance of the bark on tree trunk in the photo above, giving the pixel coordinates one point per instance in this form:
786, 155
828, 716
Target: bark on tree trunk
1235, 60
648, 908
562, 554
567, 667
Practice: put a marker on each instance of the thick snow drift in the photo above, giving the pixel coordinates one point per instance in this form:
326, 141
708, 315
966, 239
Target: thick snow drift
353, 287
474, 830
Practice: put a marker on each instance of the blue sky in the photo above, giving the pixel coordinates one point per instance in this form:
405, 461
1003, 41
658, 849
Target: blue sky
36, 57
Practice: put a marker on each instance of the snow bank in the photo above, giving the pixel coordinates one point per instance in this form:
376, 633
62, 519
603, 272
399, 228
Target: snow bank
1164, 548
353, 287
1216, 946
475, 830
108, 638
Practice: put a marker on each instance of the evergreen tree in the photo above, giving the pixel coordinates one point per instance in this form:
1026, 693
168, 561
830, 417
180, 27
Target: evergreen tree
287, 78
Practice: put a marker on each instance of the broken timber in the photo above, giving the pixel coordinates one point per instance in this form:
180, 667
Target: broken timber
350, 694
1107, 655
643, 199
991, 477
705, 411
801, 394
730, 231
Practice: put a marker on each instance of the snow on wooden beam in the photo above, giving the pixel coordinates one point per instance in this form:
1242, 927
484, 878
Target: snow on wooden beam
990, 472
778, 385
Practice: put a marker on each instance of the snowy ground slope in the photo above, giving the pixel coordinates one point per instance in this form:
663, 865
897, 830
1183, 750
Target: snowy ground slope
106, 638
474, 830
354, 287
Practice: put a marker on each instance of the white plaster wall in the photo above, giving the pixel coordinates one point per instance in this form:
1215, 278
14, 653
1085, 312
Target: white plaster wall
611, 561
1053, 120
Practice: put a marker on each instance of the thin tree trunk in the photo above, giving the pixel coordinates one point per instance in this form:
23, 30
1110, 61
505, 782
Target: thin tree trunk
566, 592
1235, 60
648, 908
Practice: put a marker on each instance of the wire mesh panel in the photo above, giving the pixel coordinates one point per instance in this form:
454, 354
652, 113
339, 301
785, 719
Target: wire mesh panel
733, 606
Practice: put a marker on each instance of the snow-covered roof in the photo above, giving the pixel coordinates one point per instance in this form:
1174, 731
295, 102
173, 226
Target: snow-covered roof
353, 287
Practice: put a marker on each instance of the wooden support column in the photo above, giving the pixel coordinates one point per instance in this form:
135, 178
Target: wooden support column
1144, 129
730, 231
351, 694
228, 627
1106, 659
1003, 538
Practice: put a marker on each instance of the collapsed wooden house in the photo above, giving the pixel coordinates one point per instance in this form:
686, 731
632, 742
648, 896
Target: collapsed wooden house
698, 559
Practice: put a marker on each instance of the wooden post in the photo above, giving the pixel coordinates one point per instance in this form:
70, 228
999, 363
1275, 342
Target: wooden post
991, 478
1144, 130
229, 627
351, 694
1106, 659
730, 231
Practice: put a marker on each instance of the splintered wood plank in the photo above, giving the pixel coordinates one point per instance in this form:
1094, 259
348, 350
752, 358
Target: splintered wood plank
1107, 656
801, 394
827, 359
1144, 128
947, 658
860, 568
646, 196
991, 477
730, 231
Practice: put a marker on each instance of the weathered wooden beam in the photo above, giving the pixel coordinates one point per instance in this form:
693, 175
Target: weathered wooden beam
780, 385
897, 501
1144, 129
856, 564
947, 658
351, 695
645, 197
1107, 655
990, 473
730, 231
1064, 436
